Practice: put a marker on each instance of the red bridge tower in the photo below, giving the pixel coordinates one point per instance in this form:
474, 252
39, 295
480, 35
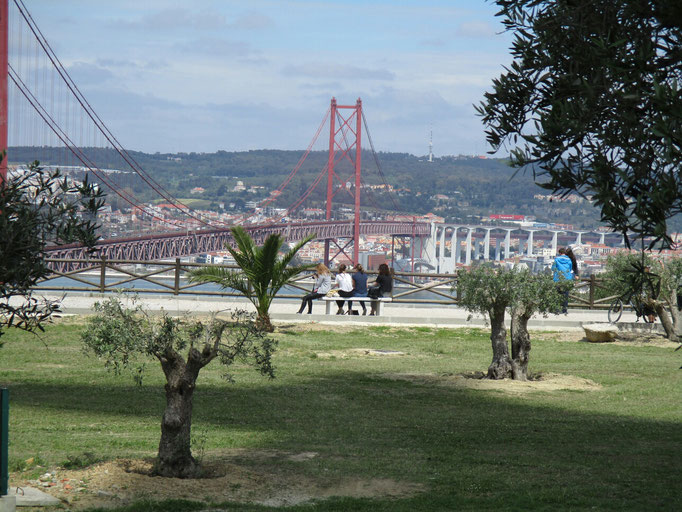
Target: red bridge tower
344, 139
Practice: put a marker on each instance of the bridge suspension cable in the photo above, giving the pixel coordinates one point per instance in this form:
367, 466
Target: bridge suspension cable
99, 124
278, 191
49, 120
376, 161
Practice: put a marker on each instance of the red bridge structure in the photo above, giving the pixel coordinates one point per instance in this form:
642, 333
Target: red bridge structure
170, 245
41, 108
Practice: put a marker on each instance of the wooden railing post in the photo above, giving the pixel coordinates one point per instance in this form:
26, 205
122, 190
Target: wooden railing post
456, 286
103, 274
593, 284
176, 286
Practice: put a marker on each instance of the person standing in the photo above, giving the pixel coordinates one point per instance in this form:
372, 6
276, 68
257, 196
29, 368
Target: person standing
323, 284
382, 284
344, 282
574, 262
359, 288
563, 272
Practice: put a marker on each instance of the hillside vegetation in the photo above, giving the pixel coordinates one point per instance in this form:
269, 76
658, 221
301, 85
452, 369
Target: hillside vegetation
467, 186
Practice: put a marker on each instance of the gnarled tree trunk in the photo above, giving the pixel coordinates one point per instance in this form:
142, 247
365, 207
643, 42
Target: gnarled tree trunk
500, 367
520, 342
175, 454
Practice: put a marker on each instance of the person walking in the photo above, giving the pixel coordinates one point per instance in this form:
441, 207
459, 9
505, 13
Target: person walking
382, 284
323, 284
563, 272
344, 282
359, 288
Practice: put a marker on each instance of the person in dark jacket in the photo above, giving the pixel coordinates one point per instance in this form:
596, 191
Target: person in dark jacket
359, 288
382, 284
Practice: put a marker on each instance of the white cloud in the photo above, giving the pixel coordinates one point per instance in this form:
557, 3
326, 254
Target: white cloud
176, 18
89, 74
475, 29
215, 46
252, 21
331, 71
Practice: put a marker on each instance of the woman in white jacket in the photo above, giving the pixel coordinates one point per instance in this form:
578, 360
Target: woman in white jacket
344, 282
323, 284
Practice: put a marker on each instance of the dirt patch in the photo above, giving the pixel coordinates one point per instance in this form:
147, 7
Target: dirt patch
310, 327
544, 382
358, 352
643, 339
124, 481
345, 328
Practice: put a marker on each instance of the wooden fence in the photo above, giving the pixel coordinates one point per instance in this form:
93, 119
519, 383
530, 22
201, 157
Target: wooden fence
164, 277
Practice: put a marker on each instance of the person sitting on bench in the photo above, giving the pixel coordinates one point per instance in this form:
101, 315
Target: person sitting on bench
382, 284
323, 283
344, 282
359, 288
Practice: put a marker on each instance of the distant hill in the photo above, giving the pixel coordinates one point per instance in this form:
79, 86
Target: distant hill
453, 187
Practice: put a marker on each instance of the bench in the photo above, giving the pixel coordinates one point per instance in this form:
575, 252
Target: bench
332, 300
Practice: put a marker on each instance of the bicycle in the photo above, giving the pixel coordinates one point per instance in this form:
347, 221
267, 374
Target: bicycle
635, 302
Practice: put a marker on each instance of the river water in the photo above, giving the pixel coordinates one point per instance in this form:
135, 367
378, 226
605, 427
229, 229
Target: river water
164, 284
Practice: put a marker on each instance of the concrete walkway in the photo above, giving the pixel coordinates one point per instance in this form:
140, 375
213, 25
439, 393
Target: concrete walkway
31, 497
392, 314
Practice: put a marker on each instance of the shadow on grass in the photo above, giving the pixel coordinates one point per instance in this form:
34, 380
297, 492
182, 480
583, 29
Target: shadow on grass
466, 448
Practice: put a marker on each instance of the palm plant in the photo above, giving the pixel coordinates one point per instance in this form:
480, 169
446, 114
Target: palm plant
262, 274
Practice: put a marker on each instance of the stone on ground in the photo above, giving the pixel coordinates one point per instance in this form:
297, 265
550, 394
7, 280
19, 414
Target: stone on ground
600, 333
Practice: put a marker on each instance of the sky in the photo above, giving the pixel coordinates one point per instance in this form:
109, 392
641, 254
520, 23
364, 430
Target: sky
176, 76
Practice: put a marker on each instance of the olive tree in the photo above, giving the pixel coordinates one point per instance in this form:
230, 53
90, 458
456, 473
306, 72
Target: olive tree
125, 336
656, 281
532, 294
39, 209
592, 105
490, 291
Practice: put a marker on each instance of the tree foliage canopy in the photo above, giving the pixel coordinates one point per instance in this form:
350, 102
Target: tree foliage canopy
592, 103
486, 289
626, 273
39, 209
125, 337
650, 280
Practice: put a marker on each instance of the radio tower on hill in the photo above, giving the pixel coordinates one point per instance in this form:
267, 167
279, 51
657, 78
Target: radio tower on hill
431, 146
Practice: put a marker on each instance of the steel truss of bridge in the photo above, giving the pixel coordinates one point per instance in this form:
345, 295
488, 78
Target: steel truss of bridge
177, 245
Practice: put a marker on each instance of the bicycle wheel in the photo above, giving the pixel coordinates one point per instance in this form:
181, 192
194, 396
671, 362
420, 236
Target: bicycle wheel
615, 311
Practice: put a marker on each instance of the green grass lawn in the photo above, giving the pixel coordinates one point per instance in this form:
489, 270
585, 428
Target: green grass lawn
615, 448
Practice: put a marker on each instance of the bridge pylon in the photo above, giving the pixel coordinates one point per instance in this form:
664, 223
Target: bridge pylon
345, 138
